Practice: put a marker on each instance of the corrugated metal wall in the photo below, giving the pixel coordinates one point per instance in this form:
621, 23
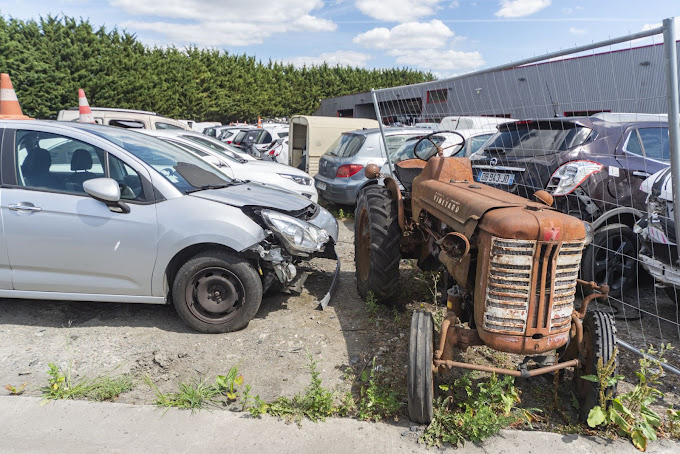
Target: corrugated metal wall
630, 80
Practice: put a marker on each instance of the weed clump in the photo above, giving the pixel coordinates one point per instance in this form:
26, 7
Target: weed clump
472, 413
61, 385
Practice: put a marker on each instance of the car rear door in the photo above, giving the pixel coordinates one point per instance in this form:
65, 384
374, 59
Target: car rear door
59, 239
644, 151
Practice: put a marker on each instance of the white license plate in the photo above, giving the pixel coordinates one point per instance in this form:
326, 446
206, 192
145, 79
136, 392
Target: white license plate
320, 184
496, 178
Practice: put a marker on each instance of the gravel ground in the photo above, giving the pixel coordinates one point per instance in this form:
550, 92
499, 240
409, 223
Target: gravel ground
99, 338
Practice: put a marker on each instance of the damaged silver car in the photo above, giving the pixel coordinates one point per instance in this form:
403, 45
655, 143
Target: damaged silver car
97, 213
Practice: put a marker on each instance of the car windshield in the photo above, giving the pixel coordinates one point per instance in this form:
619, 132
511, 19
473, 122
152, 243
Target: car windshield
536, 138
184, 170
217, 146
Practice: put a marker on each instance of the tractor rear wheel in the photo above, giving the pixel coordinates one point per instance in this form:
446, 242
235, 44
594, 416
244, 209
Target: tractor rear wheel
420, 380
599, 337
376, 244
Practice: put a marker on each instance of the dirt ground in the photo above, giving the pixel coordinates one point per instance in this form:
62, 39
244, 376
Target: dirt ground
271, 353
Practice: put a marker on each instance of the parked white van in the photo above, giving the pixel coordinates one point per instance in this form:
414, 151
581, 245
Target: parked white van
125, 118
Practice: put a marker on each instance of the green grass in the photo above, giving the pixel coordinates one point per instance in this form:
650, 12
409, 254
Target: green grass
62, 385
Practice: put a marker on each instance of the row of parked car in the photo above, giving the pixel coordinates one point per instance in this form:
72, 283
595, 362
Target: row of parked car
120, 212
608, 169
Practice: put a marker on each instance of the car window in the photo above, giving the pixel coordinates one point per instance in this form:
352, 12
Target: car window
56, 163
128, 179
129, 124
346, 145
475, 143
161, 125
396, 141
219, 147
655, 143
265, 137
239, 137
182, 169
283, 134
633, 144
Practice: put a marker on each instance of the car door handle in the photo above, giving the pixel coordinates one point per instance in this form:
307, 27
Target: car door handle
24, 206
639, 173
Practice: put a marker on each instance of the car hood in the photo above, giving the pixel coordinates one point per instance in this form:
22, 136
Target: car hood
256, 194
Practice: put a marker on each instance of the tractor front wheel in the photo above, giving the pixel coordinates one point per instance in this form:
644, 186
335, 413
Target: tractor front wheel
420, 380
599, 337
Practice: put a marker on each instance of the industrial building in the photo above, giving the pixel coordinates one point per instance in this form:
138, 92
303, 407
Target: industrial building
626, 80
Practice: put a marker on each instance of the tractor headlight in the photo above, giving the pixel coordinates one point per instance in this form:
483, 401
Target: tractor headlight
298, 236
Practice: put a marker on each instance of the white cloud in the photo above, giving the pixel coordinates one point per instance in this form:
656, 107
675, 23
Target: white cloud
340, 57
411, 35
398, 10
226, 22
454, 4
520, 8
578, 31
439, 60
426, 45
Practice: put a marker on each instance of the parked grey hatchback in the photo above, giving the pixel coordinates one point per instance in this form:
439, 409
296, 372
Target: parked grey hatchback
98, 213
341, 174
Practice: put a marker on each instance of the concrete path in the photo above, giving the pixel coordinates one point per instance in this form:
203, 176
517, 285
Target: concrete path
80, 427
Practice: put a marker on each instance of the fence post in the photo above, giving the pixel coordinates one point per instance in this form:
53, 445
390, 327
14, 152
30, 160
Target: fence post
382, 131
671, 57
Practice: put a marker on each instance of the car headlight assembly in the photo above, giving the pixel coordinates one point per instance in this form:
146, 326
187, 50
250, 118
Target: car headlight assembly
569, 176
299, 179
298, 236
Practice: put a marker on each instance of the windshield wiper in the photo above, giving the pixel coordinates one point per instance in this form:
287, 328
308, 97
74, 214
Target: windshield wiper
208, 186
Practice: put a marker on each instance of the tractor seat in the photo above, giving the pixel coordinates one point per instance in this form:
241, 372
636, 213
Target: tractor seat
407, 170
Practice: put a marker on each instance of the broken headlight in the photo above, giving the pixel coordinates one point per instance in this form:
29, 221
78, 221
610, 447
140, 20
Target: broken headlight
298, 236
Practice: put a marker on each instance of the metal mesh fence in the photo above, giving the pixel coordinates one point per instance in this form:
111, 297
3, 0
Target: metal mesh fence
591, 126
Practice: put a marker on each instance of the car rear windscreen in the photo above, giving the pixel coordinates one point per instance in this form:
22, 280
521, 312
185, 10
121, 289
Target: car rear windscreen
346, 145
537, 138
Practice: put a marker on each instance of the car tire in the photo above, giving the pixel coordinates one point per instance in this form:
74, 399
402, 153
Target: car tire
217, 292
599, 336
618, 270
376, 244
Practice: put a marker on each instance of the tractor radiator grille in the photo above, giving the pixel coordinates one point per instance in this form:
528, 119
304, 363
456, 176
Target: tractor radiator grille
518, 294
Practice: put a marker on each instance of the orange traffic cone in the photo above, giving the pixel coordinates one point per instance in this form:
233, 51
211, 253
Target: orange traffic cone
9, 104
259, 122
84, 108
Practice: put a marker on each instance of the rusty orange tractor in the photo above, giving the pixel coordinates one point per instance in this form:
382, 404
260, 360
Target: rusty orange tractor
512, 265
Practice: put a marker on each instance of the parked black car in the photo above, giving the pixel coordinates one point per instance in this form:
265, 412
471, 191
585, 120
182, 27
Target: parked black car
593, 166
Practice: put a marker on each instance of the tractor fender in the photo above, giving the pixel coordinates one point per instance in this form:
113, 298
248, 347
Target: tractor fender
393, 186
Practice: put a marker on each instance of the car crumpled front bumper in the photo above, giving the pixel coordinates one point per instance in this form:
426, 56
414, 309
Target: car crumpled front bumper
283, 262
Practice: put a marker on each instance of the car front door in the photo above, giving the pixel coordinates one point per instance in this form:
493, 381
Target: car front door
59, 239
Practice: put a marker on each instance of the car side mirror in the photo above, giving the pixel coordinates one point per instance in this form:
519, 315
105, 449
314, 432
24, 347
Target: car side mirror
107, 191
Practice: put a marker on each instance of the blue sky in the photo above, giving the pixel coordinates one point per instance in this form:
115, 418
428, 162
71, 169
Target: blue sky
443, 36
